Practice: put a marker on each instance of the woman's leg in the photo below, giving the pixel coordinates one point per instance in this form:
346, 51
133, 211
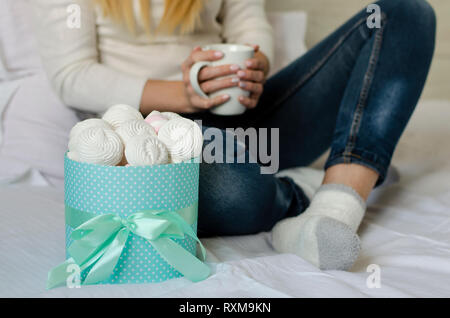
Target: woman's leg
387, 68
355, 91
235, 198
304, 102
358, 177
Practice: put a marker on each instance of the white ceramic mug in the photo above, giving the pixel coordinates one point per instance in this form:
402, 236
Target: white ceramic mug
233, 54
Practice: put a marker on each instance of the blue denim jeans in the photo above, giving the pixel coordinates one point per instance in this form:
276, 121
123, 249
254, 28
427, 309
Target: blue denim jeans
354, 92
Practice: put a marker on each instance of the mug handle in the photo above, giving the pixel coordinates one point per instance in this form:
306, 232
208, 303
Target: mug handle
193, 77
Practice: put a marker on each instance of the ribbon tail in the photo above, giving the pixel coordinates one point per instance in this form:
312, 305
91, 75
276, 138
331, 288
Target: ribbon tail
180, 259
59, 274
202, 248
187, 229
104, 267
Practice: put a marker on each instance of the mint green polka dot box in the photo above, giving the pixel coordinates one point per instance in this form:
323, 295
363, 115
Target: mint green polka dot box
128, 225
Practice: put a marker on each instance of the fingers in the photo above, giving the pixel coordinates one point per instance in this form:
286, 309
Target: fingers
251, 75
211, 72
219, 84
254, 46
198, 55
207, 103
186, 65
255, 88
248, 102
254, 64
249, 79
209, 55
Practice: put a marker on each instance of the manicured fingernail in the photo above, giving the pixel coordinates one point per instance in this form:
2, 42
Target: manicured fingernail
234, 67
234, 80
241, 73
248, 63
242, 84
241, 98
225, 97
218, 54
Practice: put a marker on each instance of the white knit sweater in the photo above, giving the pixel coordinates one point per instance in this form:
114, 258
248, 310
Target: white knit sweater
101, 63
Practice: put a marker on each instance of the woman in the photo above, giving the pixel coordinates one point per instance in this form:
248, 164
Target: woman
354, 92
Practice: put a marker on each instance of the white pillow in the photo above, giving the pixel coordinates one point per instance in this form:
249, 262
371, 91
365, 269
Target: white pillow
18, 51
34, 123
289, 32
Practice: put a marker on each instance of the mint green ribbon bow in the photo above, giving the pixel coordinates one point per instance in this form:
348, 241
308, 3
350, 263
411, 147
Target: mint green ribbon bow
99, 241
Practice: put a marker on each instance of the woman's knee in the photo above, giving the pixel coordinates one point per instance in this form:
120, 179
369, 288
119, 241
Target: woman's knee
233, 200
411, 25
415, 15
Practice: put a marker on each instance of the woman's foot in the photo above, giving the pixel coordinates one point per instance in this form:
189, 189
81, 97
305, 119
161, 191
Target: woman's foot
325, 234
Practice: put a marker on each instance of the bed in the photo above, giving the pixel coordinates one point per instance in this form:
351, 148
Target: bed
405, 234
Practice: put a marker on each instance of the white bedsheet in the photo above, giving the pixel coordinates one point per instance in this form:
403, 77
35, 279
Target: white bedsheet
406, 232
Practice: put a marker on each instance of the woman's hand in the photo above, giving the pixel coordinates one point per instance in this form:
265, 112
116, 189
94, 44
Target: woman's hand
252, 79
209, 79
180, 97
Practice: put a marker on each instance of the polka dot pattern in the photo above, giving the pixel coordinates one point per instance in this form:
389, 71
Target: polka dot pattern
125, 190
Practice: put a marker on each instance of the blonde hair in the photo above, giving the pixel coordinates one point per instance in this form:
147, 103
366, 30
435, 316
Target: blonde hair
184, 14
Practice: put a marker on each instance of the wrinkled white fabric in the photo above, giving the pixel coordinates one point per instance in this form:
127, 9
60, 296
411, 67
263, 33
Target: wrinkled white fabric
405, 233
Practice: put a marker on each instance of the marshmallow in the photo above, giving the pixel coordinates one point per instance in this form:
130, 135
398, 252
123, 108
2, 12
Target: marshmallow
156, 119
134, 128
97, 146
88, 123
119, 114
85, 124
170, 115
144, 150
73, 156
183, 139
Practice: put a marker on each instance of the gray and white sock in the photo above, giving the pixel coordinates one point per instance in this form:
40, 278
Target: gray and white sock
309, 179
325, 234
